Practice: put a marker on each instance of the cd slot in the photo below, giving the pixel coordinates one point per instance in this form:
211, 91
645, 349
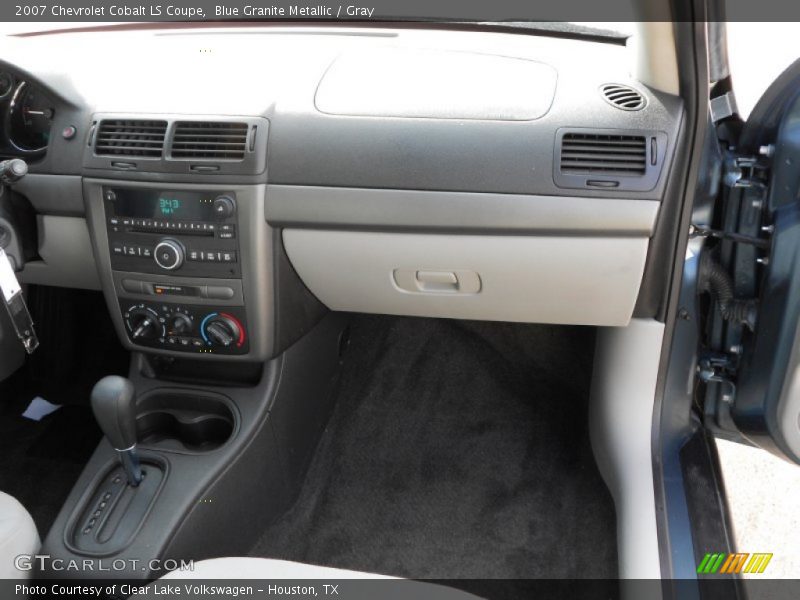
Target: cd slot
171, 231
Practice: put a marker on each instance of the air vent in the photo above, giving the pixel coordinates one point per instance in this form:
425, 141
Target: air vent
209, 140
623, 96
604, 154
130, 137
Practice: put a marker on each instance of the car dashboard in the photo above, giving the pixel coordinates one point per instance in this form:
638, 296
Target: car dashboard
225, 187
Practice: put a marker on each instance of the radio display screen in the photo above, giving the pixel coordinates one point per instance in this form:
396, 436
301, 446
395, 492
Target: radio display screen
155, 204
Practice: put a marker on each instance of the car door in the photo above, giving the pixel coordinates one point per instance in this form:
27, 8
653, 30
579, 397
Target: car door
749, 361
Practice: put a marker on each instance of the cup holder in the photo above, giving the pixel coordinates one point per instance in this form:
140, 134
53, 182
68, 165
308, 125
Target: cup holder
184, 421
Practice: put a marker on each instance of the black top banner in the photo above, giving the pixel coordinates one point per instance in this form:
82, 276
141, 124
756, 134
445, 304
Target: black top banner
519, 11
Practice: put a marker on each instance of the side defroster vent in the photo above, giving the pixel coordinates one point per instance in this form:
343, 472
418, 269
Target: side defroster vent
609, 154
209, 140
130, 138
609, 159
623, 96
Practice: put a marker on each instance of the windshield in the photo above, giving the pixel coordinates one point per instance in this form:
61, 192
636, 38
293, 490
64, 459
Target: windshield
617, 31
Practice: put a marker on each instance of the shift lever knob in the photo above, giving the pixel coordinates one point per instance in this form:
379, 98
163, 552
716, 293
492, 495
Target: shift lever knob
114, 406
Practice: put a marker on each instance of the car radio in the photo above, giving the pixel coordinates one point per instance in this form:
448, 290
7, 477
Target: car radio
191, 233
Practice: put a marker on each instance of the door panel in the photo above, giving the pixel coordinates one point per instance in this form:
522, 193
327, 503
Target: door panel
761, 361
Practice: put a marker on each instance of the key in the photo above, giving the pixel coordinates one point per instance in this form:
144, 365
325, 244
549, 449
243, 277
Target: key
14, 302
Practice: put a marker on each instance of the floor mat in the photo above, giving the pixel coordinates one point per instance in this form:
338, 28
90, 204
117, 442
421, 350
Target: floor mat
40, 461
456, 450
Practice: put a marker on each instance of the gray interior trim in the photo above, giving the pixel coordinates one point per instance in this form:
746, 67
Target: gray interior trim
359, 208
529, 279
621, 423
52, 194
66, 251
235, 285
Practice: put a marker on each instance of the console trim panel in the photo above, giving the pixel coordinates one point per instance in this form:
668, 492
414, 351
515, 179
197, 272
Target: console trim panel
255, 289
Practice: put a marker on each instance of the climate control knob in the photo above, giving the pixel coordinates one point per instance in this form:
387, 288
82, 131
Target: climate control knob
181, 324
143, 323
223, 330
169, 254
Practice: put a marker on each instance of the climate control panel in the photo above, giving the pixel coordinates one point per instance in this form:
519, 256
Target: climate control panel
186, 328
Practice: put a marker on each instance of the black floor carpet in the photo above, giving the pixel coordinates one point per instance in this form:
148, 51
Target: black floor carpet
456, 450
40, 461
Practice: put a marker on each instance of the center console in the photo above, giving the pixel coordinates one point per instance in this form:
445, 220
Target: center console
185, 233
232, 357
187, 268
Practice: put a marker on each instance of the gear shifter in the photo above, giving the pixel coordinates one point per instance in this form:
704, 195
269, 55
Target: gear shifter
114, 406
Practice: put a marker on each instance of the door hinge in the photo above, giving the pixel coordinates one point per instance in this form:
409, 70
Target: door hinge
745, 171
739, 238
718, 368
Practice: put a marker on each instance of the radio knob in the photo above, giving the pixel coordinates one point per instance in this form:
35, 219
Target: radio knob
169, 254
223, 207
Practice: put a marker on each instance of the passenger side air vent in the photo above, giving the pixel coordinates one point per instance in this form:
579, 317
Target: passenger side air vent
609, 159
623, 96
608, 154
209, 140
130, 138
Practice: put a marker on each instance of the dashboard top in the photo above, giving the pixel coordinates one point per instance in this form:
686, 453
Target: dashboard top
386, 108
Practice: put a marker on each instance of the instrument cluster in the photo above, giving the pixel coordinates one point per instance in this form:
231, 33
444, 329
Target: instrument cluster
28, 113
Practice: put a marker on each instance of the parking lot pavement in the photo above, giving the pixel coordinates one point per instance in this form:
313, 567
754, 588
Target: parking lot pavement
764, 499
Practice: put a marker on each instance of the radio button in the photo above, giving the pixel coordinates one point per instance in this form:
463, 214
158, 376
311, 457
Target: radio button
219, 292
228, 256
118, 250
147, 252
133, 286
130, 250
195, 255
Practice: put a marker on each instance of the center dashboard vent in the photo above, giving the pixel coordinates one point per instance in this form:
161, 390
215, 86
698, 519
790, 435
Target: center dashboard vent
179, 144
130, 138
609, 159
209, 140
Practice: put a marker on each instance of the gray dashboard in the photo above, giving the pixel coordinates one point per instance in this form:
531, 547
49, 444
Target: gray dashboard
393, 132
